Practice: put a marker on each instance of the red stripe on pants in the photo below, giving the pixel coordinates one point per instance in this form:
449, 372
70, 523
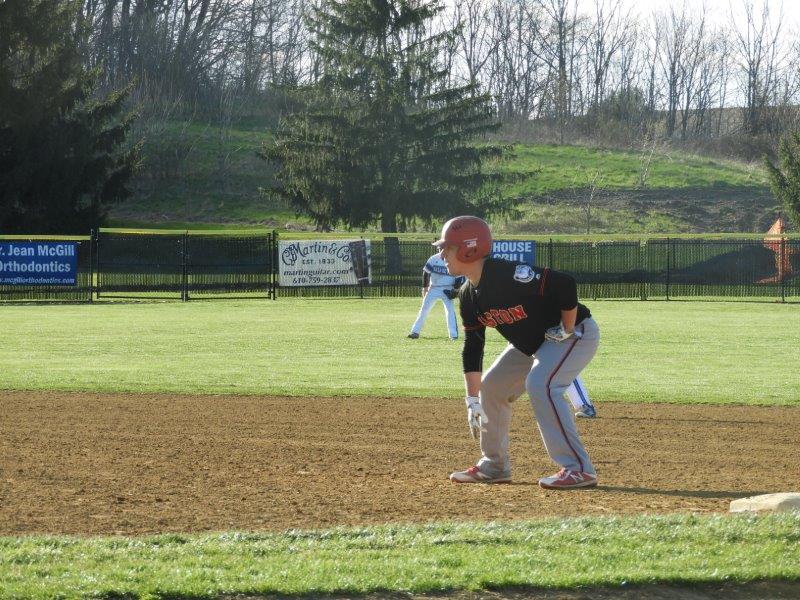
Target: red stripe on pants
553, 404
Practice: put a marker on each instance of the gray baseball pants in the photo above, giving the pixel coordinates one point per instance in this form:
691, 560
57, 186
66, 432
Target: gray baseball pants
545, 376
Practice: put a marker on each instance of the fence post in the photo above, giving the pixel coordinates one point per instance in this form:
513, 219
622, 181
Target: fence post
359, 281
550, 254
273, 266
669, 259
97, 272
90, 277
185, 274
782, 271
643, 266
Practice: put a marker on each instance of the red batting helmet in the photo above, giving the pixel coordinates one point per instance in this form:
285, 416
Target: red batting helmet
470, 234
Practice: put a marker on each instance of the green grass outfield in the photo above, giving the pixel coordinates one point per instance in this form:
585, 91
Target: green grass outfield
688, 352
681, 352
551, 553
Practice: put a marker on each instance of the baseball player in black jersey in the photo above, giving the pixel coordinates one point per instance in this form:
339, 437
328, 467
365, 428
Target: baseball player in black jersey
551, 336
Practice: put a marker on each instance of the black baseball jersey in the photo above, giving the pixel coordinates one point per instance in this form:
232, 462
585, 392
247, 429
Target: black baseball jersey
518, 300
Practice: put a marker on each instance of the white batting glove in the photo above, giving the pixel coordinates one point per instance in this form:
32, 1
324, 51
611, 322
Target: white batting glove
559, 334
476, 418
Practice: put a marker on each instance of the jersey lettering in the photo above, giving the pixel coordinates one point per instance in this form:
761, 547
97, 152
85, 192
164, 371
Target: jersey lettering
495, 317
517, 313
486, 320
502, 316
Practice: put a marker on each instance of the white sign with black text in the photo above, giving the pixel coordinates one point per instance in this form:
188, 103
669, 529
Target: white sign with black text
324, 262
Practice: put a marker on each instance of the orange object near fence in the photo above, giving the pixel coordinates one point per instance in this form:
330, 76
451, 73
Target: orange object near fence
783, 252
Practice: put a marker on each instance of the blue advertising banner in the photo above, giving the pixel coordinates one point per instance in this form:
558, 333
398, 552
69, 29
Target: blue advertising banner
515, 250
38, 263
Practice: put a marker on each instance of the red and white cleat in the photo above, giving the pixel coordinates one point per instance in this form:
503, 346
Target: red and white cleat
475, 475
567, 480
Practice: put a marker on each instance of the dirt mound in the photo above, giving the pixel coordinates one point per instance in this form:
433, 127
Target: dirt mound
135, 464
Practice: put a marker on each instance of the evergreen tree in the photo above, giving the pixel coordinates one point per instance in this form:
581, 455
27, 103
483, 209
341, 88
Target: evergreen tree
381, 137
61, 160
784, 180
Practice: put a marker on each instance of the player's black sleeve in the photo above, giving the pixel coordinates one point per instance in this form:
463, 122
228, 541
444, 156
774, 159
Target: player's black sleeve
474, 333
472, 355
426, 277
562, 288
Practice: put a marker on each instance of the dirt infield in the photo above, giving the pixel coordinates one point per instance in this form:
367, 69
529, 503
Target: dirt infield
134, 464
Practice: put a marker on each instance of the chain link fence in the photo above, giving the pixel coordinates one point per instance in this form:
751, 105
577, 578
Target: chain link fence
185, 265
196, 265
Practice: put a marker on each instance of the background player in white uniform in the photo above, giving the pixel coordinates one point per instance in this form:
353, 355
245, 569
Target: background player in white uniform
437, 284
579, 397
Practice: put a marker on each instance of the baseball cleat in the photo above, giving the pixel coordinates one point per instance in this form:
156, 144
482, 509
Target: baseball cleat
567, 480
475, 475
586, 412
413, 335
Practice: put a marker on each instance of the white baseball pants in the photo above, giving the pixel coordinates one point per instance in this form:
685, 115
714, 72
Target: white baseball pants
578, 395
436, 293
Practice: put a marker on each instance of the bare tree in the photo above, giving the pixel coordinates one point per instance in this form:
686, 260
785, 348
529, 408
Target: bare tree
576, 66
558, 53
646, 154
272, 43
723, 74
607, 36
172, 45
696, 52
515, 70
759, 54
586, 195
675, 27
709, 83
652, 54
475, 45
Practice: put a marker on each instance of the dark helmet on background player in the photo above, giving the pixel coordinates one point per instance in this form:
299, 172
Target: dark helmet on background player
470, 234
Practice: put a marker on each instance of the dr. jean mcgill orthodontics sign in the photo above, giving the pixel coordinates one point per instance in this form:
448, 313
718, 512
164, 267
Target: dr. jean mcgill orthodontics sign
324, 262
38, 263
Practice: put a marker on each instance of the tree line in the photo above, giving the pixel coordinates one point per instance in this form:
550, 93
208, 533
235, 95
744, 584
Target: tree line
375, 103
589, 67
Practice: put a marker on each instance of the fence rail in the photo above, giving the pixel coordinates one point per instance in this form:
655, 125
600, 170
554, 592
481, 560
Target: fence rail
200, 265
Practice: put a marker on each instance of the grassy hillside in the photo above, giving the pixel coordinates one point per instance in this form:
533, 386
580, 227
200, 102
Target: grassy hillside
202, 176
209, 176
558, 168
575, 189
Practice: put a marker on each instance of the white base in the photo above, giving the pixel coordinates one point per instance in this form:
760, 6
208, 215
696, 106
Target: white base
783, 502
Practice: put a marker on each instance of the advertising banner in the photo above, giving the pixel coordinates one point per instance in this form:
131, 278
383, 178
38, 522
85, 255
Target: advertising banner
38, 263
324, 262
515, 250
